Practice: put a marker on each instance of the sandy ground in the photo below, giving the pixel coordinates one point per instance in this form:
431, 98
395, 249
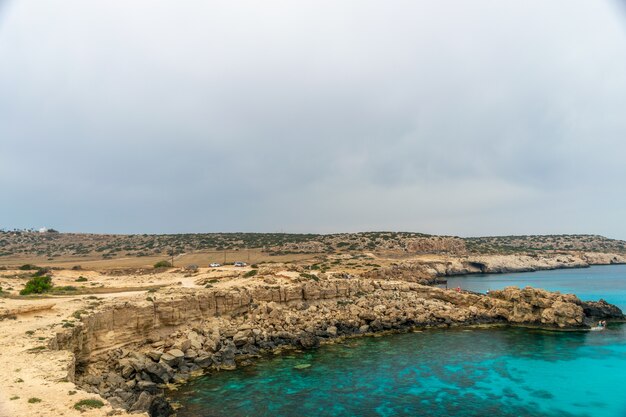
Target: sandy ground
30, 371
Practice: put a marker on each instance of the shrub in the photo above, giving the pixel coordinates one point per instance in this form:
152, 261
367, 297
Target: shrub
163, 264
40, 272
309, 276
90, 403
78, 313
28, 267
37, 285
34, 400
81, 279
250, 273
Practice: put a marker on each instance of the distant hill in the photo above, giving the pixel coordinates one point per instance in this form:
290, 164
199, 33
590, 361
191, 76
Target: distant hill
54, 245
513, 244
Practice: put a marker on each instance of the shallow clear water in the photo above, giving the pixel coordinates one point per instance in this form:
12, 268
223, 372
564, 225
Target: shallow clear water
608, 282
486, 372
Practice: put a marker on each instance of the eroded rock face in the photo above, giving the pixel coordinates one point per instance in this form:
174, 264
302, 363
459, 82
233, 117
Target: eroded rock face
536, 306
184, 331
601, 310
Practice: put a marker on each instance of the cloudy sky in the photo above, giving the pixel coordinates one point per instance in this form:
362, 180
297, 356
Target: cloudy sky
445, 116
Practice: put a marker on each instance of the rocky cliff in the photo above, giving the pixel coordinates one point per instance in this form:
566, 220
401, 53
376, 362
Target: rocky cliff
428, 271
126, 350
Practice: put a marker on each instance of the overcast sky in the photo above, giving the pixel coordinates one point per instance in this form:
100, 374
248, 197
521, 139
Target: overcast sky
445, 116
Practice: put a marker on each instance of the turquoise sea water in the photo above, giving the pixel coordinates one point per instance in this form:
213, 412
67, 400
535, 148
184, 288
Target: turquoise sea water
480, 372
608, 282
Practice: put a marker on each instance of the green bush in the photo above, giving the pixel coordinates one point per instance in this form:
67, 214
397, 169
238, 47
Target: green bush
163, 264
90, 403
40, 272
309, 276
81, 279
78, 313
34, 400
250, 273
37, 285
28, 267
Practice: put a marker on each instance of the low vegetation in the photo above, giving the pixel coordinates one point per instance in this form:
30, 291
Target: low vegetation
544, 243
56, 245
88, 403
309, 276
162, 264
37, 285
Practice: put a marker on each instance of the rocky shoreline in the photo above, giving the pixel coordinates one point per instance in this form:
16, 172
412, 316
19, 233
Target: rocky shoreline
128, 352
432, 271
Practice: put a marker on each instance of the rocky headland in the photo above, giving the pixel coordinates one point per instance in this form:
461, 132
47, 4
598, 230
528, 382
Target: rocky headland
430, 270
128, 352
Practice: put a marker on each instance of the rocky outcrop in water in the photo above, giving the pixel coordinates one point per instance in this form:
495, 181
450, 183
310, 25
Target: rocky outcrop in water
127, 352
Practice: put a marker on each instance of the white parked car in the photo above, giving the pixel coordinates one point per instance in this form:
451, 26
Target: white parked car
214, 265
240, 264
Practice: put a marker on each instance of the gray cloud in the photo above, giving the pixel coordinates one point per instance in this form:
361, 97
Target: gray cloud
451, 117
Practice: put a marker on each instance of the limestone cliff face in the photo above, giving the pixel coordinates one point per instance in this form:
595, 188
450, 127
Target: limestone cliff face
595, 258
125, 323
391, 304
127, 349
426, 272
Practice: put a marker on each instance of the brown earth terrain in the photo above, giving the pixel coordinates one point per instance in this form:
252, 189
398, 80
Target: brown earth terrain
117, 330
